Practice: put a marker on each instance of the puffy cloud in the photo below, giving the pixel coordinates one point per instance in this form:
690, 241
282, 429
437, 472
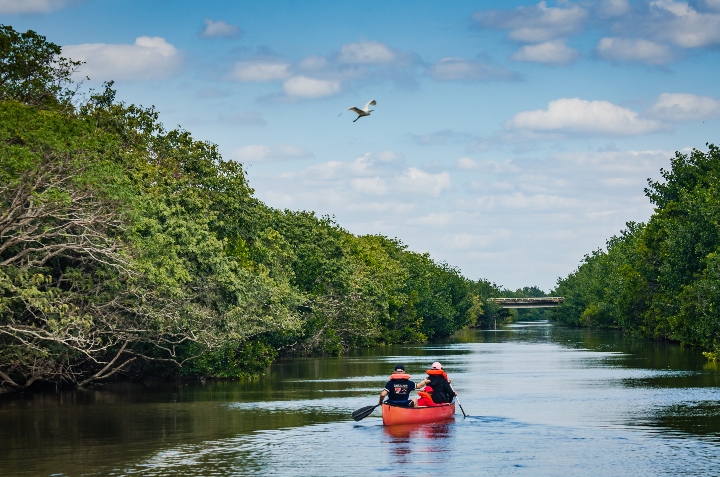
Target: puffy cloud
321, 76
574, 115
261, 153
467, 164
629, 49
551, 52
305, 87
219, 29
681, 24
260, 71
649, 31
366, 52
14, 7
534, 24
458, 69
685, 107
147, 59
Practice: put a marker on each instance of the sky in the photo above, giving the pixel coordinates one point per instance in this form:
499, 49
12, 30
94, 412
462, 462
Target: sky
509, 138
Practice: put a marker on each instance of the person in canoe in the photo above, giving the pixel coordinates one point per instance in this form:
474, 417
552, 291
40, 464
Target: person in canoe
399, 387
426, 397
440, 384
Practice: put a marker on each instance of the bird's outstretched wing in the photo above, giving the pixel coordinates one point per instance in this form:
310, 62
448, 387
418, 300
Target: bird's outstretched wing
370, 103
356, 110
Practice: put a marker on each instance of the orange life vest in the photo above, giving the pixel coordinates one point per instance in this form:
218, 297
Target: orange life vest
399, 376
436, 372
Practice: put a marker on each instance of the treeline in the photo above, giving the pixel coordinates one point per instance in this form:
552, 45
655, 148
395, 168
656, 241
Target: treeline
659, 279
128, 249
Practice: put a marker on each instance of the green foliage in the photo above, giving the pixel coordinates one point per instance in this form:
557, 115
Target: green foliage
32, 70
659, 279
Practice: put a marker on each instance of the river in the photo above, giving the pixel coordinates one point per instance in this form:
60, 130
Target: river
541, 401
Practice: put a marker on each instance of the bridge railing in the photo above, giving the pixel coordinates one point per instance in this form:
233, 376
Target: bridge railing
542, 302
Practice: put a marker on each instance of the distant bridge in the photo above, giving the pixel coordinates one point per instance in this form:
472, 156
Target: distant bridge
544, 302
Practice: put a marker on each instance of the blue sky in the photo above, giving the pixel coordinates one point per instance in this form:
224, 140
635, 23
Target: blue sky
509, 138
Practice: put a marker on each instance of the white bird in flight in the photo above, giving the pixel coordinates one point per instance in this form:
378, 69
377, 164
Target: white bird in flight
362, 112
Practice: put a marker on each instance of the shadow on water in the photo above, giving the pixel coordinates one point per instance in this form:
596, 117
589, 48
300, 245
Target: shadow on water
700, 419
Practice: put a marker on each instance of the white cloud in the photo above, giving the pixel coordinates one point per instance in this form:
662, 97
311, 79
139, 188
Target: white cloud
370, 185
536, 23
458, 69
355, 65
219, 29
313, 63
685, 107
418, 181
147, 59
574, 115
679, 24
366, 52
386, 156
613, 8
467, 164
551, 52
260, 71
633, 49
685, 26
649, 31
305, 87
261, 153
14, 7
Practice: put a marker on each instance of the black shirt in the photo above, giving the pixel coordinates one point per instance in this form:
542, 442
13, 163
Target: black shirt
399, 389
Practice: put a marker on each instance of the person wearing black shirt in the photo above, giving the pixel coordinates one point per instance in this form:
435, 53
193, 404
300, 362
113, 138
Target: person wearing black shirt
439, 381
399, 387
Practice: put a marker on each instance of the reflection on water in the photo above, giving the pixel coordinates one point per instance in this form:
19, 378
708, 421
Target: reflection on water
541, 400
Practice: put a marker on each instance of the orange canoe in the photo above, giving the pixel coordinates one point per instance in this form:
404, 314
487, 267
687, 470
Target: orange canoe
415, 415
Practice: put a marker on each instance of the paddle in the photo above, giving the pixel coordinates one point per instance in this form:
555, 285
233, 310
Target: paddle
458, 401
363, 412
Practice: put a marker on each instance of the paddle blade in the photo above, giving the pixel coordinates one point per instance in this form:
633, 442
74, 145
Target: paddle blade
363, 412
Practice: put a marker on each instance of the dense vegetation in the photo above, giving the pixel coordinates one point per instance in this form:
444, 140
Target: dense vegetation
660, 279
128, 249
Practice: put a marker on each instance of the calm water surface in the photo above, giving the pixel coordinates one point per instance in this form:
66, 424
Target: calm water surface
541, 401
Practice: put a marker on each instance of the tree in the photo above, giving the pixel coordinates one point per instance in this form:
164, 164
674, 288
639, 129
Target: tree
33, 72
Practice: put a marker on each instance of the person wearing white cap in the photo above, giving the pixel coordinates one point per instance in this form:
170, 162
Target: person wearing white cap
440, 383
